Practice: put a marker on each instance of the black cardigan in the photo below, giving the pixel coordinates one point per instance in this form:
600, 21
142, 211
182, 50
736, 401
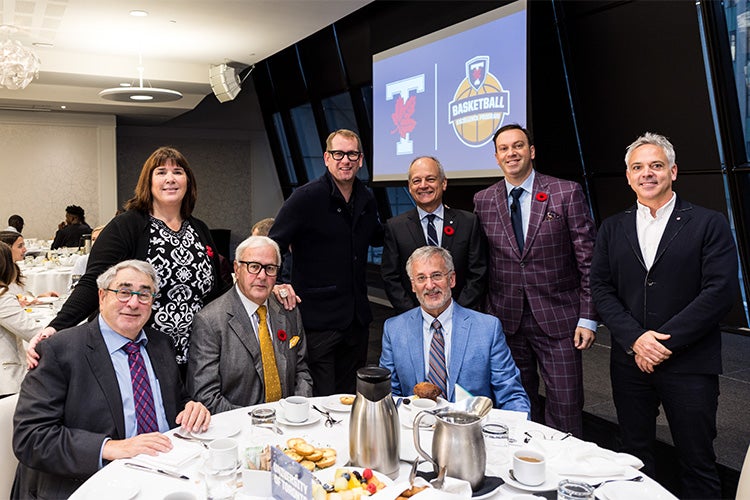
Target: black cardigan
125, 237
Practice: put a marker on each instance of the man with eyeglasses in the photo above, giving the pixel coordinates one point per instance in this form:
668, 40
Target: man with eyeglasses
329, 225
433, 223
446, 344
246, 348
103, 390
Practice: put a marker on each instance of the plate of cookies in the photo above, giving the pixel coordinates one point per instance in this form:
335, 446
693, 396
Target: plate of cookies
309, 455
339, 402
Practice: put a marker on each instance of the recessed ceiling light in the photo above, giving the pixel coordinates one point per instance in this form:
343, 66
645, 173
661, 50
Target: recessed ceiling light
63, 107
138, 13
43, 45
126, 84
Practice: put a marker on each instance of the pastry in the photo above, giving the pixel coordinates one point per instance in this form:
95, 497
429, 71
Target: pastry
427, 390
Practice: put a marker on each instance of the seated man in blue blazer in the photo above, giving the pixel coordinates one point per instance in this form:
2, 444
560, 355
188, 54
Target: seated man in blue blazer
446, 344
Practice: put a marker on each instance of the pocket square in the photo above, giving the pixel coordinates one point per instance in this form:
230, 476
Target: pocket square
552, 216
293, 341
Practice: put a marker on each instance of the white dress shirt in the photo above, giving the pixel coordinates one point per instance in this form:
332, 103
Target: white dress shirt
651, 229
439, 213
446, 321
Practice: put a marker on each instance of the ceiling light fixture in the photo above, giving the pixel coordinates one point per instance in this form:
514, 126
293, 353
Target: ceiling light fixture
140, 93
18, 64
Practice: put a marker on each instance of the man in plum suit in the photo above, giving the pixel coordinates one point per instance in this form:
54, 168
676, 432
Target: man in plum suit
446, 344
541, 238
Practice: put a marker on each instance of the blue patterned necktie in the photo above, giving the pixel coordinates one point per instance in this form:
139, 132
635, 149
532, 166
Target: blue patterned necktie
437, 374
143, 398
515, 216
432, 238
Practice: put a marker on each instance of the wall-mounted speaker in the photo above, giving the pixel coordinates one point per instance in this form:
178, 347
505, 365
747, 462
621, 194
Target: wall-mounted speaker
224, 81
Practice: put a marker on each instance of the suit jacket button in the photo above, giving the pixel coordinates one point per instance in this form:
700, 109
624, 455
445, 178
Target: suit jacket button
650, 282
523, 264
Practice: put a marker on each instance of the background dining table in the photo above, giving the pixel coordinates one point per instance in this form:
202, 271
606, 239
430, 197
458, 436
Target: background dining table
567, 458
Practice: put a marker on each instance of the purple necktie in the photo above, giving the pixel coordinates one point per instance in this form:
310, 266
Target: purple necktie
437, 373
143, 399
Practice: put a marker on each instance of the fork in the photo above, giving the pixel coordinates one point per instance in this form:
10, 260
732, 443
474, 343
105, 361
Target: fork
329, 419
194, 440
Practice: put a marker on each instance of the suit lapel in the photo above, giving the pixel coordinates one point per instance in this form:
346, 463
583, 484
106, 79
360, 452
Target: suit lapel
449, 221
459, 342
628, 226
537, 211
100, 363
241, 326
278, 322
415, 228
159, 361
416, 345
681, 215
500, 199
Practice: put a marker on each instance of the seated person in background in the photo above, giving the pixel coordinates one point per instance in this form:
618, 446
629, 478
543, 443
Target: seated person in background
95, 397
15, 326
262, 227
79, 268
70, 231
15, 223
245, 347
446, 344
18, 250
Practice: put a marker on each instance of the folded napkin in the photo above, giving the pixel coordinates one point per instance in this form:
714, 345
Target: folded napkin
181, 453
573, 457
629, 491
453, 489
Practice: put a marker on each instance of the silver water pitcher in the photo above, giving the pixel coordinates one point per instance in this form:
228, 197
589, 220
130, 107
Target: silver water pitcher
374, 423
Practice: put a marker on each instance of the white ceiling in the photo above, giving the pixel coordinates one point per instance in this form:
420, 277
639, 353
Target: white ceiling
97, 46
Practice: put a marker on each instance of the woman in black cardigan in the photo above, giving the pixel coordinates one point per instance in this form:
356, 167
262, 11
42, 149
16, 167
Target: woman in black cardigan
157, 227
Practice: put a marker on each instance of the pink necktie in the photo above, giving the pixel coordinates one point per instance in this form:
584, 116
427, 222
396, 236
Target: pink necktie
143, 398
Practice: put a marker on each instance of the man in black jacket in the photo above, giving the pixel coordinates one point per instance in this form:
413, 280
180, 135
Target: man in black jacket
70, 232
329, 224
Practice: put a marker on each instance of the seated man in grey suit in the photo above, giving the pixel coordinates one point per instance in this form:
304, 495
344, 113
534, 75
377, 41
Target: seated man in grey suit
245, 347
446, 344
103, 390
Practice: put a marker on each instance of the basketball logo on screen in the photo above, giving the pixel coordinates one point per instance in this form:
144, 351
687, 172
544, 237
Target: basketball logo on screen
479, 105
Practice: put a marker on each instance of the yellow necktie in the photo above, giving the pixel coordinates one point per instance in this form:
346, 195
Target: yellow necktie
270, 372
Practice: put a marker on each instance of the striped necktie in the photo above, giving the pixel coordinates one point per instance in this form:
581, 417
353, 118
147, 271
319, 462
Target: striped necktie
270, 371
437, 374
432, 238
143, 398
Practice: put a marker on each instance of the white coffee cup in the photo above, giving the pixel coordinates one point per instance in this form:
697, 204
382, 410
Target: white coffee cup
529, 467
296, 408
222, 454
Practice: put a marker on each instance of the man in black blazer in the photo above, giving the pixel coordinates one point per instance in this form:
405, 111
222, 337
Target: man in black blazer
664, 274
76, 410
457, 231
329, 225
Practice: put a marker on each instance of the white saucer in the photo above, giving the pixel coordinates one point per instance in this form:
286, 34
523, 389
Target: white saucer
47, 300
312, 419
217, 432
440, 403
333, 403
550, 482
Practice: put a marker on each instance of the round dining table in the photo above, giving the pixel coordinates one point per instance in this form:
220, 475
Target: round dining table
574, 459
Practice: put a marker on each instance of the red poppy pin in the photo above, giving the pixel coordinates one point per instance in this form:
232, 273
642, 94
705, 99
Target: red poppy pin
541, 197
281, 334
209, 251
448, 230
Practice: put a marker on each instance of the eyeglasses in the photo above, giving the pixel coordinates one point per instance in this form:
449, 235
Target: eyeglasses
555, 436
124, 295
339, 155
436, 277
255, 267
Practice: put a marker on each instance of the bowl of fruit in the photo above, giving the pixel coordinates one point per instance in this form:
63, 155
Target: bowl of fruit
348, 483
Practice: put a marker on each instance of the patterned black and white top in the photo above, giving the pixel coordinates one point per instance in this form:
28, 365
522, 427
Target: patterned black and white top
185, 278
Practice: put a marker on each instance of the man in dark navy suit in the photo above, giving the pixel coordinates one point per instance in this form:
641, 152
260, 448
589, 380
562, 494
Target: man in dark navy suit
664, 274
455, 230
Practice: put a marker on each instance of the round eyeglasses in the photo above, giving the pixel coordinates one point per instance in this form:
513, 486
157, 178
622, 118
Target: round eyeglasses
255, 267
124, 295
339, 155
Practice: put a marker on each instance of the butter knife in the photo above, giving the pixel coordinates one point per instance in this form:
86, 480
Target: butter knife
163, 472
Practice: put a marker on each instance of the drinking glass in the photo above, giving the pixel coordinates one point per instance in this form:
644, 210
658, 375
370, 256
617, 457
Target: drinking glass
574, 490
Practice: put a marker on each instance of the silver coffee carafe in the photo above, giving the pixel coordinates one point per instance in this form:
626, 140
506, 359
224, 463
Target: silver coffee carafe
374, 423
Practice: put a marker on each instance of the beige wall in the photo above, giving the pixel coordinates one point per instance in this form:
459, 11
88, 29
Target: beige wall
51, 160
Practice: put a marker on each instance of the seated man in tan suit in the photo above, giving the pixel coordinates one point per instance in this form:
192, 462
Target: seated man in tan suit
246, 348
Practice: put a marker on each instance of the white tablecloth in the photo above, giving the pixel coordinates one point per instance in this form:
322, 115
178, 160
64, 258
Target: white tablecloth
117, 481
40, 279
